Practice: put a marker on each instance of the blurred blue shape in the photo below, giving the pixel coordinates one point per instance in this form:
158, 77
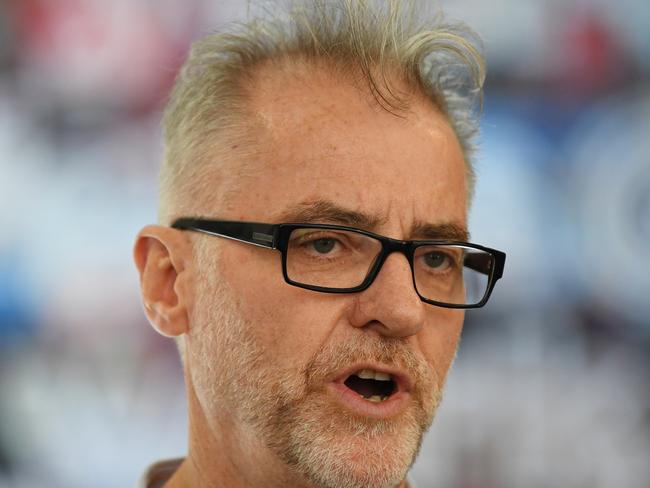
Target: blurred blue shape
17, 315
512, 196
610, 194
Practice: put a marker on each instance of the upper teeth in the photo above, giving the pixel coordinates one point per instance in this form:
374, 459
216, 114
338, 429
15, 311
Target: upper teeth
369, 374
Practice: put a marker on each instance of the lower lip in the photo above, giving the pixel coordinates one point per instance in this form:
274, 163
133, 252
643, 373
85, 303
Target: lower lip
392, 406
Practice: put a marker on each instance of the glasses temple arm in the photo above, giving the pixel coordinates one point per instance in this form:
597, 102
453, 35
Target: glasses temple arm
264, 235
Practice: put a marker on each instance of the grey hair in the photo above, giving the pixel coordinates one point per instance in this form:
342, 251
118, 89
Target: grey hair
380, 40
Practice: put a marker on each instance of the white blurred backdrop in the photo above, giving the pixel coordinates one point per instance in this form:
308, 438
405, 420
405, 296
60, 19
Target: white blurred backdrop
551, 385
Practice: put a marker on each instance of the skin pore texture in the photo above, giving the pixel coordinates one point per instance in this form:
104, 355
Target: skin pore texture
260, 355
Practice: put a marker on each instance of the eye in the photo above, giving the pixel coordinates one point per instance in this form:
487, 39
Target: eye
323, 245
319, 243
437, 260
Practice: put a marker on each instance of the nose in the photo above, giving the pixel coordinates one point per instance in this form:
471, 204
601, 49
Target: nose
391, 306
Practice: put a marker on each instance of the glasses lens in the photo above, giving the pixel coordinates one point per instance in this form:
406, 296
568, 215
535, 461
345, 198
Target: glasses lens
455, 275
330, 258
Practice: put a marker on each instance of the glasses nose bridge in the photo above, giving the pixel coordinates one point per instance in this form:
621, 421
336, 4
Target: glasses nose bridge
388, 247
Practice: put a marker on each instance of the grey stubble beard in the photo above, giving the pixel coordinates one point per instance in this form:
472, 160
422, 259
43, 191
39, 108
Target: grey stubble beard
290, 412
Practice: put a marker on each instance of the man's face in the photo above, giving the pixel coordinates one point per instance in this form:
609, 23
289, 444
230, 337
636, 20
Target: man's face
269, 360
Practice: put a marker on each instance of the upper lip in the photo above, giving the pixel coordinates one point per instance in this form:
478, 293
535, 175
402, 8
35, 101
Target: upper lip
403, 381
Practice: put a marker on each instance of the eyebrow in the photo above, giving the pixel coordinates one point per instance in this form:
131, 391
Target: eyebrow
328, 212
448, 231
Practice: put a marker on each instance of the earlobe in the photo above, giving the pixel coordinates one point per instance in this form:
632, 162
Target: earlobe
162, 256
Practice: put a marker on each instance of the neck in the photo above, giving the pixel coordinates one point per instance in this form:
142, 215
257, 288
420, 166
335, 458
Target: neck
223, 453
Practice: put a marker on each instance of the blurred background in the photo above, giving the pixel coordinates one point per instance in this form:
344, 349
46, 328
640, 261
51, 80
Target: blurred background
551, 385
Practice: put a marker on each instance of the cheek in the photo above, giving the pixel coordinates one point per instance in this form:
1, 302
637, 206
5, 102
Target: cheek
439, 339
290, 323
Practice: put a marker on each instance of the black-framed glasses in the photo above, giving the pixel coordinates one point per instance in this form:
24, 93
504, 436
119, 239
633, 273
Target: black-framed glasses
339, 259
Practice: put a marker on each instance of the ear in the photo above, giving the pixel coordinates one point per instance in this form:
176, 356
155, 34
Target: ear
162, 256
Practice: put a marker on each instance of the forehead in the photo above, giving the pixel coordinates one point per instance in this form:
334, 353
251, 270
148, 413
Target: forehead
320, 137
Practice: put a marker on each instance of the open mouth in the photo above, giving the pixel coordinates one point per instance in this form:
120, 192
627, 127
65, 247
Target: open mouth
371, 385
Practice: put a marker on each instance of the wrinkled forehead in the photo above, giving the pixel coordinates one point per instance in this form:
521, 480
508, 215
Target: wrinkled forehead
318, 138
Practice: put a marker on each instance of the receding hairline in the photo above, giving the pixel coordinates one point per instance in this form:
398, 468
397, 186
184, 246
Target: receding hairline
237, 149
207, 111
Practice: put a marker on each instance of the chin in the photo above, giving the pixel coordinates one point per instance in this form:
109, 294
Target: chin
342, 451
357, 464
